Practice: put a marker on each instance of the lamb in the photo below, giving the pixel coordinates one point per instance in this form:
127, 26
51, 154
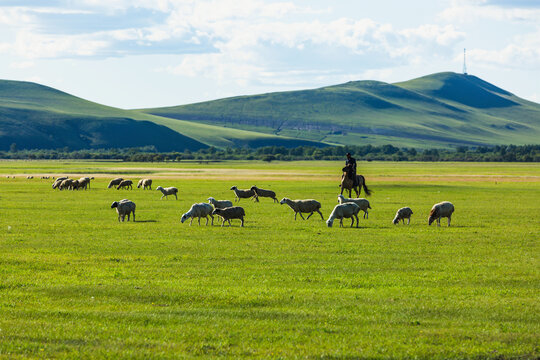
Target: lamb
264, 193
125, 184
363, 203
402, 214
124, 207
234, 212
145, 183
219, 204
347, 210
243, 194
303, 206
114, 182
442, 209
168, 191
199, 210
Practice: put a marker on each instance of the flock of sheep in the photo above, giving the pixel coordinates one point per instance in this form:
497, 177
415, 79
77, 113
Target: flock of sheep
348, 208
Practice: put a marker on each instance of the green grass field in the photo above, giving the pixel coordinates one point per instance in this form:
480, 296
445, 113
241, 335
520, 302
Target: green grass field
76, 283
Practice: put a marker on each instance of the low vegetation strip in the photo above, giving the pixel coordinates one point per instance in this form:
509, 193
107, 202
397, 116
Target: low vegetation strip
75, 282
510, 153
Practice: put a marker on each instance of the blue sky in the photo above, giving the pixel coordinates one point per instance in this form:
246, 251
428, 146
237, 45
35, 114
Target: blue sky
142, 53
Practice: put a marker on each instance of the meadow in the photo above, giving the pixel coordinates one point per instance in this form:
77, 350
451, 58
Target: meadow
76, 283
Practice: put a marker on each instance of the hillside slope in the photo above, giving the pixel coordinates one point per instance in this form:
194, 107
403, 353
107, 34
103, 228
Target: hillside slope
35, 116
438, 110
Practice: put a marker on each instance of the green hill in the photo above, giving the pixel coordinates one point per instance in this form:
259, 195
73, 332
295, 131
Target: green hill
438, 110
34, 116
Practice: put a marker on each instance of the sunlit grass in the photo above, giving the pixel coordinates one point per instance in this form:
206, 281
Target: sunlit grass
76, 283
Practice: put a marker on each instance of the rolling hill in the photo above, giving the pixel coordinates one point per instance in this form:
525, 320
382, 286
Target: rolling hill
34, 116
438, 110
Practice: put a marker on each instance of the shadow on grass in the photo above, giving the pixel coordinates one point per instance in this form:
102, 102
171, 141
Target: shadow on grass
146, 221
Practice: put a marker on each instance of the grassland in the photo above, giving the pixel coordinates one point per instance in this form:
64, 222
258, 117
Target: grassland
76, 283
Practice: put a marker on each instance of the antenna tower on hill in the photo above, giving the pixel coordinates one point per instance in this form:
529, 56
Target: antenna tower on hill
464, 63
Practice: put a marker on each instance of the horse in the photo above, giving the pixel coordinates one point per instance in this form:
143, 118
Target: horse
347, 183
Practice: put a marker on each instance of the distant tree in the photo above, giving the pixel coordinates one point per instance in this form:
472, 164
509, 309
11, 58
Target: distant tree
13, 148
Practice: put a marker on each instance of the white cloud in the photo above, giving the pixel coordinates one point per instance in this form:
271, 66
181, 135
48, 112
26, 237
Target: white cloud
471, 11
22, 65
30, 45
523, 53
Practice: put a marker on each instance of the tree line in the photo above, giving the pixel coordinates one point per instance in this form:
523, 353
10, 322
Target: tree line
504, 153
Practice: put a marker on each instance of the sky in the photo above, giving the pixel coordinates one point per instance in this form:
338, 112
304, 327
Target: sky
144, 53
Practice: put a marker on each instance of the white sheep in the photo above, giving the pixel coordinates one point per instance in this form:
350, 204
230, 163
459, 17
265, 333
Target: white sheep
363, 203
87, 180
264, 193
347, 210
219, 204
124, 207
145, 183
303, 206
58, 181
402, 214
234, 212
114, 182
442, 209
198, 211
66, 184
127, 184
243, 194
168, 191
83, 183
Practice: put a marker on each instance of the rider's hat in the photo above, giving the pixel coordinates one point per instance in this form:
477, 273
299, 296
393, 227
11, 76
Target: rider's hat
348, 154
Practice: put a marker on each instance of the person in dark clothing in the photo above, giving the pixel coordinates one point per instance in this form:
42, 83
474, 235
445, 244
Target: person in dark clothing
350, 163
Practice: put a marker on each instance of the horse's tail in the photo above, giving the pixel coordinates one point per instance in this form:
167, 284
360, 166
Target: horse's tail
366, 190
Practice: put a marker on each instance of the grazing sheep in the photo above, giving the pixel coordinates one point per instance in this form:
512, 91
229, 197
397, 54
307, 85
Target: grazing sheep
124, 207
363, 203
264, 193
442, 209
198, 211
29, 177
114, 182
74, 185
57, 182
84, 183
168, 191
125, 184
243, 194
402, 214
145, 183
65, 184
234, 212
219, 204
347, 210
303, 206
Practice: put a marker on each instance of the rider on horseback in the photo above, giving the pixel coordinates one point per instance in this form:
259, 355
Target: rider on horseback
350, 164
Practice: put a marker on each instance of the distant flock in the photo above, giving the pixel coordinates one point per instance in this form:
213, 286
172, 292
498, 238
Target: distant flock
348, 208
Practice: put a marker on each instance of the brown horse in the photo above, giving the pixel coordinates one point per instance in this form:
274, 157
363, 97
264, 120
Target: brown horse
347, 183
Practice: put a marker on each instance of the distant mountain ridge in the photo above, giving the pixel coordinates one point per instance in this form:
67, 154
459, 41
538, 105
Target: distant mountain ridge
438, 110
